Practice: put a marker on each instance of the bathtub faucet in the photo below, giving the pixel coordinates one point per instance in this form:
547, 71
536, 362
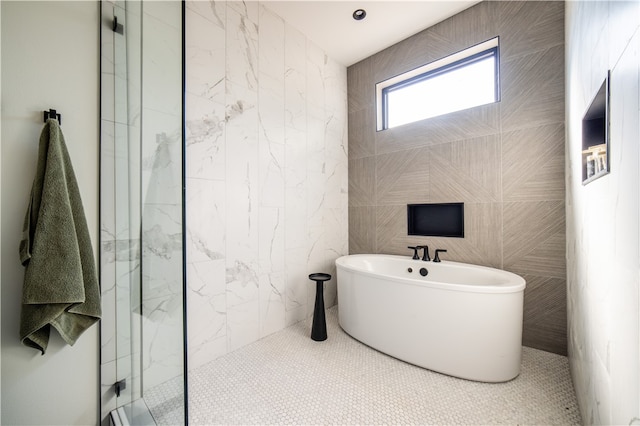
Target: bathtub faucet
436, 258
415, 252
425, 255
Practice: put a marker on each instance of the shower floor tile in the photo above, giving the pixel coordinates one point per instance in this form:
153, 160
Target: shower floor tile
287, 378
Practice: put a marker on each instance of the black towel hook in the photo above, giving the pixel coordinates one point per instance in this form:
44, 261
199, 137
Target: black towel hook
116, 27
52, 113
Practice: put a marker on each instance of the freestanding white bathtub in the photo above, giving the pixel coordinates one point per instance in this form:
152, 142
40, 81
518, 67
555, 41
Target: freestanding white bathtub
462, 320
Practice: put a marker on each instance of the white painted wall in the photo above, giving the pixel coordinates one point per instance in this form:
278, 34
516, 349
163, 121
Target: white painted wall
50, 59
603, 233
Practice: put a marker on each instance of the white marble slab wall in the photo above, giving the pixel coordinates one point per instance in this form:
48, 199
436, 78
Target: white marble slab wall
603, 237
266, 174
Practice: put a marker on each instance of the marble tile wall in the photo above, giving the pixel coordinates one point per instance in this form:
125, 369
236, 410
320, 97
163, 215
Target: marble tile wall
266, 168
603, 241
505, 161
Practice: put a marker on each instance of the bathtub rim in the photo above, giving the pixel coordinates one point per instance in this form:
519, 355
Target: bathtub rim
516, 282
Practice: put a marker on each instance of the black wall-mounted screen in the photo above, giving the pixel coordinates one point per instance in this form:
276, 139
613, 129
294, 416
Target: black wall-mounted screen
436, 220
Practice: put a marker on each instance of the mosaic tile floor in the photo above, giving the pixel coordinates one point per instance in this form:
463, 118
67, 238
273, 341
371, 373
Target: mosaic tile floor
287, 378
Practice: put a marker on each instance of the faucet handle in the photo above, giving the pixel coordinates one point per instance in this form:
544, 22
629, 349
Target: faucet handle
415, 252
425, 255
436, 258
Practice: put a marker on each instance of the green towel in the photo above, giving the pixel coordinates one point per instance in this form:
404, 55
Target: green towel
60, 281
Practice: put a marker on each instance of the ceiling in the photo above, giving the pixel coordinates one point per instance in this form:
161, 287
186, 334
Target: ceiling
330, 25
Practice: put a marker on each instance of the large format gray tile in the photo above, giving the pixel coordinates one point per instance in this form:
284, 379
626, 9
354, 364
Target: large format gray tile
362, 230
391, 230
403, 177
360, 86
545, 315
526, 27
532, 89
362, 129
468, 28
466, 171
533, 163
362, 181
534, 238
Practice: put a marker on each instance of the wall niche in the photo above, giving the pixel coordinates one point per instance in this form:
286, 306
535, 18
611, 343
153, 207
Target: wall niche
436, 220
595, 136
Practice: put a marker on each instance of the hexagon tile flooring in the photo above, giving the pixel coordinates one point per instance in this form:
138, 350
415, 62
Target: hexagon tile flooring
287, 378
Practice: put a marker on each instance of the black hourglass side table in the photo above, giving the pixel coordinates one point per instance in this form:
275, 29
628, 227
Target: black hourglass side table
319, 326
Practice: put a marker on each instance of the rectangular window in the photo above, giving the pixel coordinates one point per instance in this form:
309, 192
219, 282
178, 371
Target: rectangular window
463, 80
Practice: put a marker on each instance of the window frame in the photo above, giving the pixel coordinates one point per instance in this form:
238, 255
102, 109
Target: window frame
468, 56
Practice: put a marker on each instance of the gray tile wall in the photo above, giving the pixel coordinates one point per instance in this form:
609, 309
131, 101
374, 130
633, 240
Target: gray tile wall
505, 161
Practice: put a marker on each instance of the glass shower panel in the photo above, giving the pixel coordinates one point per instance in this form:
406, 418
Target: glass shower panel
141, 210
127, 211
161, 193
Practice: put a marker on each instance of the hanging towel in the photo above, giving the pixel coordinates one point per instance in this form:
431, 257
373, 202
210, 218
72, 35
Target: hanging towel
60, 281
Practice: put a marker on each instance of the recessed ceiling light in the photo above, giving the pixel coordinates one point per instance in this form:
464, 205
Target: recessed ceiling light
359, 14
